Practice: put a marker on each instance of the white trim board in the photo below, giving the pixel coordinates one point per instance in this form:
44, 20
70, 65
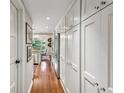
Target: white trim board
63, 86
29, 89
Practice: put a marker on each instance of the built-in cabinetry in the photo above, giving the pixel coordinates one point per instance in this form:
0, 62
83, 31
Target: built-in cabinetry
96, 54
73, 15
90, 7
62, 57
69, 29
73, 60
86, 47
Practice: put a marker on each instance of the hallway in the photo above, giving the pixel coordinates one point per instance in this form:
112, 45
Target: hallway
75, 35
45, 80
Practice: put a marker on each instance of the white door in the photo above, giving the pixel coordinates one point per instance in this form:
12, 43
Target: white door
13, 49
107, 28
89, 7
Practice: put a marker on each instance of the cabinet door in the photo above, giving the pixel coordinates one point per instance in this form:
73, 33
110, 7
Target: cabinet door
107, 30
76, 12
68, 61
74, 62
75, 59
63, 25
70, 18
97, 74
62, 57
92, 54
89, 7
104, 3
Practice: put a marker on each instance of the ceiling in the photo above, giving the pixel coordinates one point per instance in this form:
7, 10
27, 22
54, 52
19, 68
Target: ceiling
40, 9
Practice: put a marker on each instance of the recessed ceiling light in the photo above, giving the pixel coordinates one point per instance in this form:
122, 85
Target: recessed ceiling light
46, 27
47, 18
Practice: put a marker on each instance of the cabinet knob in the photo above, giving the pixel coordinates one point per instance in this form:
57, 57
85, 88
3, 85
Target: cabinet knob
102, 89
96, 7
103, 2
96, 84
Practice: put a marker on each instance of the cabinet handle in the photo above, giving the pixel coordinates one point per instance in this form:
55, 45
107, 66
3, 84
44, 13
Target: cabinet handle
96, 84
103, 2
74, 69
102, 89
96, 7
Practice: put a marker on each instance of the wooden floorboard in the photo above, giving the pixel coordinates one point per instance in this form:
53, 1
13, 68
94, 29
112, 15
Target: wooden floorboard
45, 80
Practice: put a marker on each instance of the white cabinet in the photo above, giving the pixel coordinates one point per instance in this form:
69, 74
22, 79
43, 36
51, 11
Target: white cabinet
73, 15
62, 57
97, 52
68, 78
107, 29
76, 8
73, 60
104, 3
62, 25
76, 59
89, 7
92, 58
69, 18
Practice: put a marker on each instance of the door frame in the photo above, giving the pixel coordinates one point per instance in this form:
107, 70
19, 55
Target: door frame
20, 28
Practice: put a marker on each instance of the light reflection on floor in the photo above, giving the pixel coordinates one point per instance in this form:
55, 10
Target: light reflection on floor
43, 66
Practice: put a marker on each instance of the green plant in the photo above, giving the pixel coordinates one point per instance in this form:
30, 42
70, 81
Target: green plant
37, 44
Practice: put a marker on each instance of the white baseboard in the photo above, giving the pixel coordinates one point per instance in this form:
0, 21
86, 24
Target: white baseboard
29, 89
67, 90
63, 85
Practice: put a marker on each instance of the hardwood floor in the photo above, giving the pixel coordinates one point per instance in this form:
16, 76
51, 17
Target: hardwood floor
45, 80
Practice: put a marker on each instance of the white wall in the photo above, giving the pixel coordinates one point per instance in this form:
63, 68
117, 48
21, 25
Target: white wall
28, 65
